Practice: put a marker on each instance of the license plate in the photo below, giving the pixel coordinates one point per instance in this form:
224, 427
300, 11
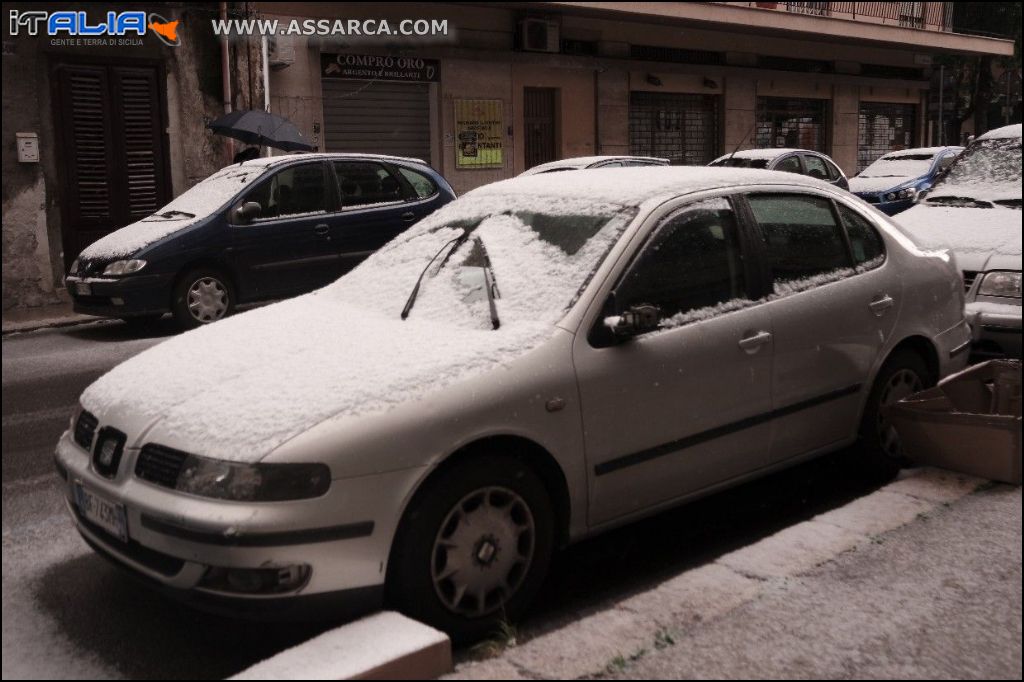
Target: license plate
109, 516
83, 289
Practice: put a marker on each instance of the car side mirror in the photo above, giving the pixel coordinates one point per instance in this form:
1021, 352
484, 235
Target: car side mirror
247, 212
635, 320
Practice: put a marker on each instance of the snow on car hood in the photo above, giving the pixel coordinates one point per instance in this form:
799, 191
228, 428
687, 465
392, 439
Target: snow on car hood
243, 386
879, 184
973, 234
190, 207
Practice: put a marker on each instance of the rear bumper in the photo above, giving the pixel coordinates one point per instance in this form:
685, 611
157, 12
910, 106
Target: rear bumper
148, 294
995, 328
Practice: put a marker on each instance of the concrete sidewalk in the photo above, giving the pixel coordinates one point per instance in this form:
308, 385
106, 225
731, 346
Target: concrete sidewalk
919, 579
30, 319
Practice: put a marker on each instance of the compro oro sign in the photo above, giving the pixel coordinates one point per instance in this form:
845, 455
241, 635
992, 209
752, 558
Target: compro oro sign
379, 67
479, 133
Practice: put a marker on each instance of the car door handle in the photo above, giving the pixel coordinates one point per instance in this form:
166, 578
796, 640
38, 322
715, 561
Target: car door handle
880, 305
408, 216
322, 229
753, 341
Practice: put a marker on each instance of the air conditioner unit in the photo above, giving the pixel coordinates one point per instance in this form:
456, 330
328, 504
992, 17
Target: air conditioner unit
538, 35
281, 51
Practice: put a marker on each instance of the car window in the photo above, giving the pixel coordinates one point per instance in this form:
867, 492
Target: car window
365, 183
692, 263
865, 242
610, 164
816, 167
801, 234
790, 164
833, 171
293, 191
421, 184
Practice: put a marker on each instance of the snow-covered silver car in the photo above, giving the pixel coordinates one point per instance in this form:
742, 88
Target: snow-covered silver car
541, 360
975, 212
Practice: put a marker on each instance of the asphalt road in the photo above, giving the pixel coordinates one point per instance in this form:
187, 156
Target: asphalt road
68, 613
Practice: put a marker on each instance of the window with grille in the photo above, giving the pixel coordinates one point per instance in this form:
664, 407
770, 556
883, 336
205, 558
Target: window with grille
792, 123
884, 127
681, 128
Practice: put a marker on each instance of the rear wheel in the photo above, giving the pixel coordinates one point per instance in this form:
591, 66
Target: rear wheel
202, 296
473, 547
902, 375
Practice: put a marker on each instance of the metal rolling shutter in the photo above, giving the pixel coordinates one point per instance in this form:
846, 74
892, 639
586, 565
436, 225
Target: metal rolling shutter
883, 128
379, 117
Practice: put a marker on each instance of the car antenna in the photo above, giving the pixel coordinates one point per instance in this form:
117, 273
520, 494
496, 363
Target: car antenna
743, 139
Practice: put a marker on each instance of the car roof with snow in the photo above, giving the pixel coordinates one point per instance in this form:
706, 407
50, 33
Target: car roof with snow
268, 161
767, 154
634, 186
580, 162
920, 151
1004, 133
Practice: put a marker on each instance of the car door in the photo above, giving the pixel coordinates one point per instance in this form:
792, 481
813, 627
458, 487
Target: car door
676, 410
376, 206
832, 308
289, 246
820, 169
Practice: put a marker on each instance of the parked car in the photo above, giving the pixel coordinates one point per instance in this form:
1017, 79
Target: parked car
802, 161
581, 162
262, 229
975, 211
893, 181
541, 360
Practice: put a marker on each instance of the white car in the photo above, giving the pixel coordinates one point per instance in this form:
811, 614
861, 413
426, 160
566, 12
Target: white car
974, 210
538, 361
582, 162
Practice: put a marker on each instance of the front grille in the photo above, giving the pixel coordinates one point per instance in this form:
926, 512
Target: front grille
85, 429
969, 277
160, 465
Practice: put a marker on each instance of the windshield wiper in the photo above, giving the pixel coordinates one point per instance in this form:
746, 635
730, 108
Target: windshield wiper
170, 214
959, 201
452, 246
1011, 203
492, 288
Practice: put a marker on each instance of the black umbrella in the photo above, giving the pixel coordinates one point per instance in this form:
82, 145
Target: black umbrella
262, 129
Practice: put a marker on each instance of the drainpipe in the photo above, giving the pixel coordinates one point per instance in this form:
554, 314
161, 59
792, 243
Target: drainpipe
265, 64
225, 75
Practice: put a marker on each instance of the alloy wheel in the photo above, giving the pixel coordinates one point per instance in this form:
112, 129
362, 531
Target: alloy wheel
900, 385
483, 551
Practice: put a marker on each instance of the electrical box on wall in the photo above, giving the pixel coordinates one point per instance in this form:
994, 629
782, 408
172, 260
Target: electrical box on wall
28, 147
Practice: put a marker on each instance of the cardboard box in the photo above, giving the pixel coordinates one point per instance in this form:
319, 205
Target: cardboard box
970, 422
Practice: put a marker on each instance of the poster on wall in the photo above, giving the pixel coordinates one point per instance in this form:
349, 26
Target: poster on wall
479, 133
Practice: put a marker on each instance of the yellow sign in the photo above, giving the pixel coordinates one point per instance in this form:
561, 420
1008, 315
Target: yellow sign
479, 133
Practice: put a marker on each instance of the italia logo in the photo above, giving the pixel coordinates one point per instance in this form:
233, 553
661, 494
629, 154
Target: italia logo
116, 24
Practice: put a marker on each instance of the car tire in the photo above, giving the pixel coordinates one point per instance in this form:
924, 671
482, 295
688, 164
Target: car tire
473, 547
202, 296
904, 373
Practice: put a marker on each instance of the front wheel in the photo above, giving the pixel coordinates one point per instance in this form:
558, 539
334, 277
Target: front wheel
202, 296
473, 548
902, 375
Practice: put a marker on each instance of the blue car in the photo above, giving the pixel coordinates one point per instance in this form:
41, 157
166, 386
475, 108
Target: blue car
893, 182
262, 229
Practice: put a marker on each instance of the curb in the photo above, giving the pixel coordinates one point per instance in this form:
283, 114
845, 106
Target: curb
46, 323
642, 622
384, 646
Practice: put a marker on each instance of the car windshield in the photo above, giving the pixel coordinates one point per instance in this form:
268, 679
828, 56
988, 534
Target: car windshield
899, 166
209, 195
988, 173
537, 254
740, 162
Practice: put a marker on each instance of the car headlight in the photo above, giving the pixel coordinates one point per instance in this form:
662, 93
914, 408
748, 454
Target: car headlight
73, 270
252, 482
1001, 283
908, 193
124, 267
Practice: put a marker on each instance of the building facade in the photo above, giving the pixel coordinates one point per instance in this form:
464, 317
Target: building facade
508, 86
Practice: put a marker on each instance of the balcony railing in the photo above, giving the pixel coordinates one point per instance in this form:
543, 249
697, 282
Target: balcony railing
951, 17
